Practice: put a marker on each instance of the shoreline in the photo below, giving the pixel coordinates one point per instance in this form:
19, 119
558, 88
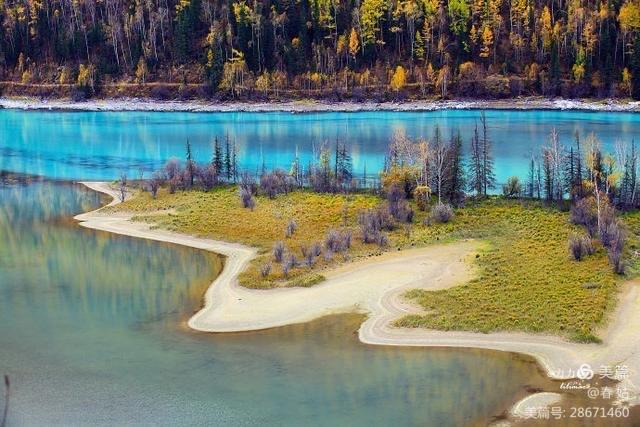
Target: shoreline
229, 307
316, 106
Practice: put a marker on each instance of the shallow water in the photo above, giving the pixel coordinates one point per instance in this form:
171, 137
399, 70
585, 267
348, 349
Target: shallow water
93, 332
101, 145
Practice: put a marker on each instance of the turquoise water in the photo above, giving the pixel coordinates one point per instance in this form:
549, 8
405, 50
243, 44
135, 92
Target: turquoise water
100, 145
92, 325
93, 333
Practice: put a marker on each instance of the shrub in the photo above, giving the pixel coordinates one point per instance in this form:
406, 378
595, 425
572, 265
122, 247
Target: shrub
289, 263
421, 195
247, 182
309, 256
616, 261
441, 213
207, 176
610, 230
382, 240
584, 212
398, 207
172, 169
513, 187
246, 198
402, 177
580, 246
154, 184
372, 222
337, 241
278, 251
265, 269
316, 249
292, 226
276, 182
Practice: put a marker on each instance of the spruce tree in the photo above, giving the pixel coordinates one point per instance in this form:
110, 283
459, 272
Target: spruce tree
454, 183
190, 164
227, 159
217, 157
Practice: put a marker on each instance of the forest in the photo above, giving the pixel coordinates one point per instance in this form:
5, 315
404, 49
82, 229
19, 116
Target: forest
336, 49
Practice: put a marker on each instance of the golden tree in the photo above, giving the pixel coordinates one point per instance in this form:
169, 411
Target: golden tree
354, 43
399, 79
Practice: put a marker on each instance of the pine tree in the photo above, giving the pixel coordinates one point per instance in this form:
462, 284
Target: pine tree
227, 159
475, 165
548, 176
234, 162
190, 164
577, 184
488, 176
454, 184
532, 178
346, 166
217, 157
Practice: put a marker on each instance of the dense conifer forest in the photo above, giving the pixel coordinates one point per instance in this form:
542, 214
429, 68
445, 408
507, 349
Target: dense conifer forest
354, 49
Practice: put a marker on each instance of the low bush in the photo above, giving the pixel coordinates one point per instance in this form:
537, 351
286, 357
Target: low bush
441, 213
291, 228
278, 251
276, 182
246, 198
265, 269
580, 246
421, 195
584, 212
513, 187
337, 240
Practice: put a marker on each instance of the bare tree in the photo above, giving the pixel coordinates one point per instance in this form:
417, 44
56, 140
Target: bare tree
439, 163
592, 153
154, 184
122, 185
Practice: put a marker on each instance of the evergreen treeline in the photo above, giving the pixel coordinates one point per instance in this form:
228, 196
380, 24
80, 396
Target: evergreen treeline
358, 48
581, 176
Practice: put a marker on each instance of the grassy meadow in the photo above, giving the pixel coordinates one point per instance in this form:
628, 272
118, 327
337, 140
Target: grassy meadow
527, 280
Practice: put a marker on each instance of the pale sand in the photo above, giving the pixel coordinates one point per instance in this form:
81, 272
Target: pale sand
534, 401
375, 286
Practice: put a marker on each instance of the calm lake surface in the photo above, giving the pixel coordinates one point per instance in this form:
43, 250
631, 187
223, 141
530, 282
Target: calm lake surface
93, 333
101, 145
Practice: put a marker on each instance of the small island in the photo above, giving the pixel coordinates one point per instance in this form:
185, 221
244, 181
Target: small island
430, 249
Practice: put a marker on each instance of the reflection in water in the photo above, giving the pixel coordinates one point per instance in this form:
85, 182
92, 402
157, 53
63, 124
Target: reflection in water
99, 145
93, 333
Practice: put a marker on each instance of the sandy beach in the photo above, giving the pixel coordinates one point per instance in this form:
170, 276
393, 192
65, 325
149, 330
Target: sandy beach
375, 286
316, 106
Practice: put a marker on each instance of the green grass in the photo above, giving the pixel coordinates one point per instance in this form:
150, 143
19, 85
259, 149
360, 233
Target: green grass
218, 214
526, 279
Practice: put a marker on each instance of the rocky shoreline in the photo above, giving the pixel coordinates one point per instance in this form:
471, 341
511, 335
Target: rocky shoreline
312, 106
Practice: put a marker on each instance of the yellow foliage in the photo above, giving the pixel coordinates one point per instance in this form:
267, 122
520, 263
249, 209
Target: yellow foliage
141, 70
263, 82
421, 195
354, 43
399, 79
405, 177
65, 75
85, 76
629, 16
578, 72
487, 42
626, 81
26, 77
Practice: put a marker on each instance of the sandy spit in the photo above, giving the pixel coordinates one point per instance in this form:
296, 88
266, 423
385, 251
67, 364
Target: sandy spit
375, 286
312, 106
